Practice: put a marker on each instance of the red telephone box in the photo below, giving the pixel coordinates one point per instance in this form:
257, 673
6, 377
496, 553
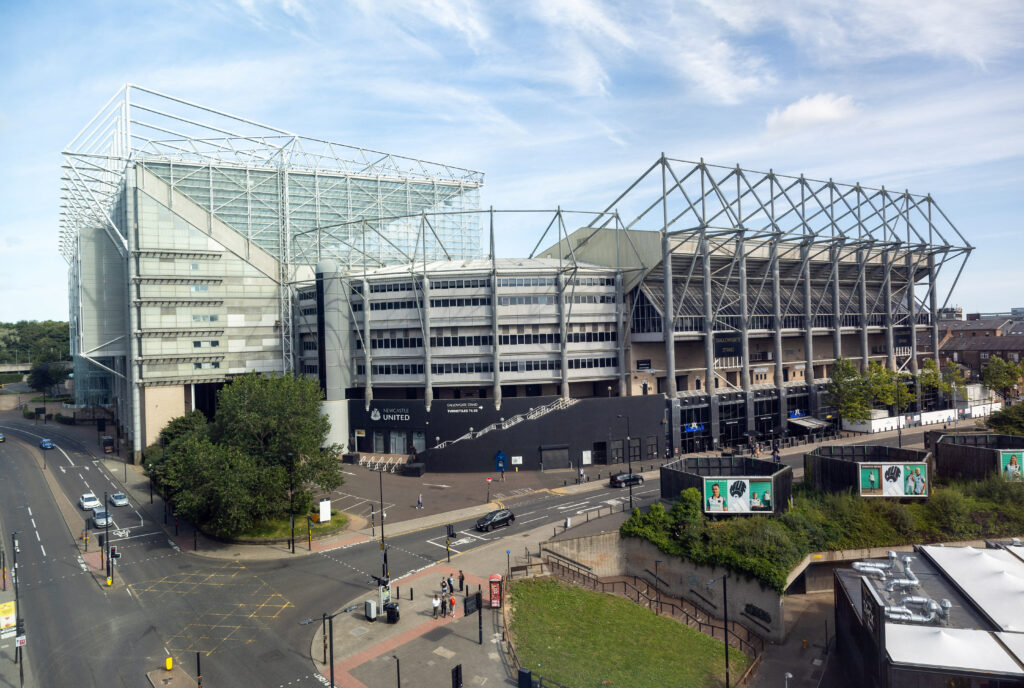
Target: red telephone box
495, 583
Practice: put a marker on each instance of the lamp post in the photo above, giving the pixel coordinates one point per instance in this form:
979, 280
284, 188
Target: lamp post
786, 677
384, 562
398, 670
17, 607
328, 620
629, 458
725, 612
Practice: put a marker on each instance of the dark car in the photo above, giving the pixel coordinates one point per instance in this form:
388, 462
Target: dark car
623, 479
501, 517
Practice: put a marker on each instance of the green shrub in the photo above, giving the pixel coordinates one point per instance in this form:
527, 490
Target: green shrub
950, 511
65, 420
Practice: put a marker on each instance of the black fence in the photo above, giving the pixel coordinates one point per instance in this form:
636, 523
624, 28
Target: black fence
972, 456
836, 468
690, 472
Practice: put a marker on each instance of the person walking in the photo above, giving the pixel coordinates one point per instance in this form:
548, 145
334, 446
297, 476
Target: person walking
419, 501
444, 586
462, 580
444, 606
437, 605
451, 606
451, 584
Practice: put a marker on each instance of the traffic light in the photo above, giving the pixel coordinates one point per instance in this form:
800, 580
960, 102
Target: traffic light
102, 539
114, 554
20, 628
451, 531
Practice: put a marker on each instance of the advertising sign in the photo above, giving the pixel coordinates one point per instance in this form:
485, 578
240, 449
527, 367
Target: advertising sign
1010, 465
7, 616
737, 495
727, 345
894, 480
325, 510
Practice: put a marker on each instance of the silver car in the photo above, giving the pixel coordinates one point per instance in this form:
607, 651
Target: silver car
118, 499
88, 501
101, 517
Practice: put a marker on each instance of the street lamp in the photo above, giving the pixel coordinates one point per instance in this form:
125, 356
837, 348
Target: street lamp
384, 562
629, 458
787, 676
17, 607
328, 621
398, 670
725, 611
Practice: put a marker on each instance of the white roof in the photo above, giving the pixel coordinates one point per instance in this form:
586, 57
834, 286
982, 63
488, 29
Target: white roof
993, 579
948, 648
1015, 642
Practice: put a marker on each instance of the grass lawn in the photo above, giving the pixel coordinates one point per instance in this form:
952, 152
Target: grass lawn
281, 528
582, 638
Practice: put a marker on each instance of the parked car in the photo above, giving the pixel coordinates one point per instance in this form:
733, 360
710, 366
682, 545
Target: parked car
108, 444
119, 499
88, 501
623, 479
2, 438
46, 444
500, 517
101, 517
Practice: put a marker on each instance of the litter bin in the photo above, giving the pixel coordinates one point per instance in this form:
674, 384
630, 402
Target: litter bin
525, 679
391, 608
371, 610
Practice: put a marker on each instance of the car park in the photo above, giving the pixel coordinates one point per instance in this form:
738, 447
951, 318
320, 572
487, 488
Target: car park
88, 501
101, 517
623, 479
494, 519
46, 444
119, 499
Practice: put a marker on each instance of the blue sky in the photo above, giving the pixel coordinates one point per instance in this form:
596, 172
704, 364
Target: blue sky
558, 102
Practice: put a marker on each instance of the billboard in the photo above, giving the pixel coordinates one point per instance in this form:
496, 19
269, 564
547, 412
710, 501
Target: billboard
1010, 465
894, 480
737, 495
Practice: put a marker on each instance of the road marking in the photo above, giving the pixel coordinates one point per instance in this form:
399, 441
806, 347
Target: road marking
132, 537
433, 485
32, 519
62, 469
129, 591
141, 523
30, 513
38, 539
539, 518
43, 548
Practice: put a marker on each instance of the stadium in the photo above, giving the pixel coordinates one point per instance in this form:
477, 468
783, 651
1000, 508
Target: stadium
203, 245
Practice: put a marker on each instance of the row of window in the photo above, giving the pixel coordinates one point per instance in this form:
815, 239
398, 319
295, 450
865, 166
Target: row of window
526, 281
390, 286
460, 283
206, 365
469, 340
309, 369
205, 343
309, 345
307, 295
593, 281
205, 318
577, 337
480, 340
393, 343
460, 303
312, 311
542, 338
530, 299
529, 366
461, 368
607, 362
590, 298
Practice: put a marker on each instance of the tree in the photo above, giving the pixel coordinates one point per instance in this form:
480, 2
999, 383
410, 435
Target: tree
45, 375
903, 391
847, 392
1000, 375
1008, 420
932, 379
880, 387
277, 420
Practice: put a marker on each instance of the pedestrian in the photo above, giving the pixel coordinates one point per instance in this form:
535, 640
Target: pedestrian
451, 584
444, 586
581, 474
444, 606
437, 605
419, 501
502, 474
451, 606
462, 580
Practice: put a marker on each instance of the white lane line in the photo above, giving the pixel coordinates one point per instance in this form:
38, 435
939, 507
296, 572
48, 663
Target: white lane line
129, 591
42, 548
30, 513
527, 513
141, 523
62, 469
32, 520
539, 518
132, 537
38, 539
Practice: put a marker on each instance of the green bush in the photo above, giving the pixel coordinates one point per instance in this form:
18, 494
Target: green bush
767, 548
65, 420
7, 378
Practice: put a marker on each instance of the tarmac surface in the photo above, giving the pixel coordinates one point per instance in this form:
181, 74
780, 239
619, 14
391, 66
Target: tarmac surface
371, 654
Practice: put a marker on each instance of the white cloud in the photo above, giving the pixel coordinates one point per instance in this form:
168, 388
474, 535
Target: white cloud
809, 112
839, 31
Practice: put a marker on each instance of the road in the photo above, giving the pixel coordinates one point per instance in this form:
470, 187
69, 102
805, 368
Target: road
242, 616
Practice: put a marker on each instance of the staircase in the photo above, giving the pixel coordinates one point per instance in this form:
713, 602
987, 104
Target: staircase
532, 414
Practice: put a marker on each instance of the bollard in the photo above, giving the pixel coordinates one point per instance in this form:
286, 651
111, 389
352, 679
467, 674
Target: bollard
169, 663
398, 593
803, 644
410, 594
